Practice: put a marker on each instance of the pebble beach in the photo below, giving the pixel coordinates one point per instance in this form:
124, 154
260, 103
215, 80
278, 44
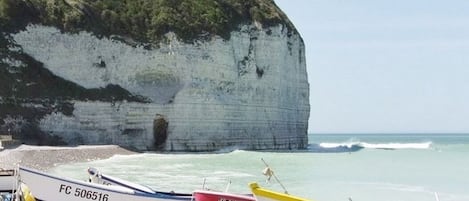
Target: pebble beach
46, 157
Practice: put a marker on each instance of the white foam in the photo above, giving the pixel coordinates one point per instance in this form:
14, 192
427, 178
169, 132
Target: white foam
423, 145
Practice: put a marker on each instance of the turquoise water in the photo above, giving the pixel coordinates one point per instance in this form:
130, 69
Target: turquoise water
388, 167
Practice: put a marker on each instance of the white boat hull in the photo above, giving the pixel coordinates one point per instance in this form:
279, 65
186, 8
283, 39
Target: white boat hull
7, 183
7, 180
51, 188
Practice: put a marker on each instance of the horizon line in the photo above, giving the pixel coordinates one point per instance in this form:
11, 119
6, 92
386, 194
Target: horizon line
388, 133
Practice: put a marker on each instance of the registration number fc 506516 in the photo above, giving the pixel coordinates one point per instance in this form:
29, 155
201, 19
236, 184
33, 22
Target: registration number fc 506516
83, 193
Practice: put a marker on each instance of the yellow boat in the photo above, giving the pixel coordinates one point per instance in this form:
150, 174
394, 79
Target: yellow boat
262, 194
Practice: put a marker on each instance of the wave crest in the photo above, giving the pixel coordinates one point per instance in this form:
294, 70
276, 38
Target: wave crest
423, 145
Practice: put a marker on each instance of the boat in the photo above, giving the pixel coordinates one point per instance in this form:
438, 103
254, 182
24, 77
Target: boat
24, 194
197, 195
7, 184
49, 187
262, 194
7, 180
205, 195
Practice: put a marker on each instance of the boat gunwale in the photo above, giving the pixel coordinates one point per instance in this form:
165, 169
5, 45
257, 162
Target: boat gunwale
243, 196
116, 180
259, 191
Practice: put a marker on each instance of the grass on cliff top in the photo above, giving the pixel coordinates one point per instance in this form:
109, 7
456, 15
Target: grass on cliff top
143, 20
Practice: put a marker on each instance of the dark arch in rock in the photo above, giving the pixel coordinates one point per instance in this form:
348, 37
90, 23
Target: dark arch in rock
160, 131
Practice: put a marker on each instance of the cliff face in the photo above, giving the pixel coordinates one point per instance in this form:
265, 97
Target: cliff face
248, 90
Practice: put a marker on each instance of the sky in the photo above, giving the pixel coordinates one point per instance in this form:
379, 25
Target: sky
385, 66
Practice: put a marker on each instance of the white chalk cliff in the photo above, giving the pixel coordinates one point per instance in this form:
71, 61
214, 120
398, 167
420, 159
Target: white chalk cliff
250, 91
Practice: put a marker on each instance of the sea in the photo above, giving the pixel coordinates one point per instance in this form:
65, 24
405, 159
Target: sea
335, 167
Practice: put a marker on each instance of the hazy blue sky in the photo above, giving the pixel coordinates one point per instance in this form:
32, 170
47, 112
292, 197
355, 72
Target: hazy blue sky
385, 66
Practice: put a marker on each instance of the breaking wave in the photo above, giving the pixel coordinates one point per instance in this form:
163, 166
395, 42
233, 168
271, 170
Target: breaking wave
333, 147
327, 147
391, 146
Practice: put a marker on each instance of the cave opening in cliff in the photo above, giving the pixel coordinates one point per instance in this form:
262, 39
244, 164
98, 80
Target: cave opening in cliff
160, 131
259, 72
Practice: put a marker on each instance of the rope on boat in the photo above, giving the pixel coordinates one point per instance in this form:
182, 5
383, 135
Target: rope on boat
269, 173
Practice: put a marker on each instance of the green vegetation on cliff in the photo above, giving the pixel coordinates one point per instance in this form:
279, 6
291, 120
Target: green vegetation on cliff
143, 20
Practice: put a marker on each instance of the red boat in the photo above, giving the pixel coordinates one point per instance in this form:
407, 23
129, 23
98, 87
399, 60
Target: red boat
201, 195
